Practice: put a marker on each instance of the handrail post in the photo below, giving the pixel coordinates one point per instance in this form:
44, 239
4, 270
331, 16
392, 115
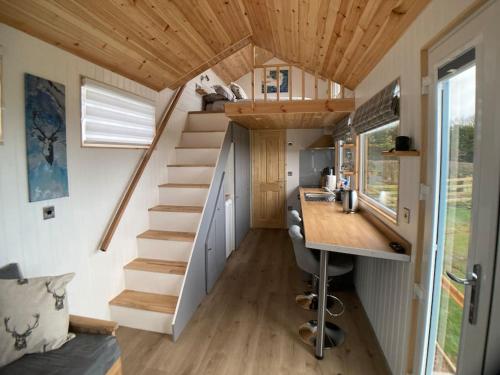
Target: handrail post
141, 166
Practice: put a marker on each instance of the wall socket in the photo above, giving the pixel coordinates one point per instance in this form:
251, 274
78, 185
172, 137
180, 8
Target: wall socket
49, 212
406, 215
290, 173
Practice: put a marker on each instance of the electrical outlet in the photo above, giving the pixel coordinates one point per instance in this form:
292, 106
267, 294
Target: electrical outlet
406, 215
49, 212
290, 173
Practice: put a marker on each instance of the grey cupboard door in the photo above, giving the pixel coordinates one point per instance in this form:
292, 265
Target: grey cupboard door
242, 181
211, 264
220, 232
215, 245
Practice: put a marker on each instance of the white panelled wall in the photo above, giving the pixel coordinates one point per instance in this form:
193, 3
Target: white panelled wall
385, 287
97, 178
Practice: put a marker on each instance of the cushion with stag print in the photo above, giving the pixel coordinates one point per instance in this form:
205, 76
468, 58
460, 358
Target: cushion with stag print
34, 316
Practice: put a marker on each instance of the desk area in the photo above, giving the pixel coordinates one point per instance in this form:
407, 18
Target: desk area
329, 229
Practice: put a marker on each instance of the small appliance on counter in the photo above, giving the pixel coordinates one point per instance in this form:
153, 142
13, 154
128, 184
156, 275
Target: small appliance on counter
350, 201
328, 178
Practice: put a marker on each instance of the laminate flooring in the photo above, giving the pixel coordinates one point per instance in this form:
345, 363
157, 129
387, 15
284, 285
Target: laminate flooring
249, 324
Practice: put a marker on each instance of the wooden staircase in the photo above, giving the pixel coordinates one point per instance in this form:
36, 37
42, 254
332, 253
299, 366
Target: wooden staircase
154, 280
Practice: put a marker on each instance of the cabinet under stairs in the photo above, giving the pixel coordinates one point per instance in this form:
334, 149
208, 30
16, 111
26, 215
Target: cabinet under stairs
153, 281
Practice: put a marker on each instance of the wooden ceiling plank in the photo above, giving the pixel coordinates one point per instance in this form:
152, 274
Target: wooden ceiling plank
352, 19
181, 55
357, 39
374, 29
324, 32
201, 14
337, 29
398, 23
48, 27
213, 61
78, 13
172, 18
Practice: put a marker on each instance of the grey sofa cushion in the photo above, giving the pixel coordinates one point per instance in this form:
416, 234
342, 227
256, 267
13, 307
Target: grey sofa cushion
10, 271
84, 355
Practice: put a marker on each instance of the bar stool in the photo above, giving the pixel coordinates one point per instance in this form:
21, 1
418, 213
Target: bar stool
340, 265
294, 218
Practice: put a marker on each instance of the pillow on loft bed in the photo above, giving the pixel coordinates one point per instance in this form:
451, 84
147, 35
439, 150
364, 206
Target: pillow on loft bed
34, 315
225, 92
238, 91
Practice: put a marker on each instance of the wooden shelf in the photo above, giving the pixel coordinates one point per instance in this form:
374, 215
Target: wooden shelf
401, 153
349, 145
348, 173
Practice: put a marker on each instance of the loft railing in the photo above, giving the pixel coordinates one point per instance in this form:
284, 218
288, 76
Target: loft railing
141, 166
333, 89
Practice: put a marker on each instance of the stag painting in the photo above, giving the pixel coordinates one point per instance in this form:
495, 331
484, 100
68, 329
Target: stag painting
45, 138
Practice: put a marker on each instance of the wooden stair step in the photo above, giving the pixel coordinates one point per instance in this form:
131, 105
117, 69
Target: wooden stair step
171, 208
190, 165
168, 235
188, 186
146, 301
158, 265
204, 131
196, 148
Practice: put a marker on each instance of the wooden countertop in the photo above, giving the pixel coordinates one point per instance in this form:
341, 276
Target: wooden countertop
327, 227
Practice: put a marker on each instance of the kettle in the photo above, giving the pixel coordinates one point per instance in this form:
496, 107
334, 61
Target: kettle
350, 201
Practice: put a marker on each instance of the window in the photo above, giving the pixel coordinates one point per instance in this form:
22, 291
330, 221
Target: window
115, 118
380, 174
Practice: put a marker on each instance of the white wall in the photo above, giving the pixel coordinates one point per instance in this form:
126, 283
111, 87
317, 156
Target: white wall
97, 177
385, 287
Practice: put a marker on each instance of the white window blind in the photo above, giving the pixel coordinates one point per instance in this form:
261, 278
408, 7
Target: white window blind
114, 117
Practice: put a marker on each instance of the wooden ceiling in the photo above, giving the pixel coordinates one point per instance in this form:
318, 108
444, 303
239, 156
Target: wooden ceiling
289, 120
240, 63
164, 43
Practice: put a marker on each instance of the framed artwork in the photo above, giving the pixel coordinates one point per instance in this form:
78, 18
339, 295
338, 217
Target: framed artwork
271, 81
45, 118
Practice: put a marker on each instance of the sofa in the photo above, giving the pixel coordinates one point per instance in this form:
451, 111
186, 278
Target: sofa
94, 350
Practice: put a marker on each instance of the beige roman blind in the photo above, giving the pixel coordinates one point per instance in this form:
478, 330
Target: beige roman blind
379, 110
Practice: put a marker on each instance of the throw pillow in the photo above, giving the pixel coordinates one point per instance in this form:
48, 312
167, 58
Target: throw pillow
238, 91
33, 316
224, 91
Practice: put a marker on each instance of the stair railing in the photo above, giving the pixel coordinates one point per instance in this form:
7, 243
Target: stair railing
139, 170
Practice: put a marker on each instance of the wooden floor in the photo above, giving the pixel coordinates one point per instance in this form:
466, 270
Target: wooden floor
249, 324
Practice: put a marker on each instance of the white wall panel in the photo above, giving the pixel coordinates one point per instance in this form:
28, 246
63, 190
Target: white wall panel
97, 178
385, 287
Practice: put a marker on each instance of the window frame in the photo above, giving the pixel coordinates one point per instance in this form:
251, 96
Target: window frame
386, 212
111, 145
1, 97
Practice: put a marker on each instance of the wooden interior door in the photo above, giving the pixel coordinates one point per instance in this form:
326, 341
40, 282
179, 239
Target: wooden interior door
268, 178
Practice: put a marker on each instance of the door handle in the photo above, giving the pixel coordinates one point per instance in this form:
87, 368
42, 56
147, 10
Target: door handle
473, 282
459, 280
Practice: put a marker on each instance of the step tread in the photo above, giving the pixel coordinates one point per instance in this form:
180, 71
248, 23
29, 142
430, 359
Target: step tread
168, 235
176, 208
189, 186
157, 265
204, 131
161, 303
197, 148
210, 165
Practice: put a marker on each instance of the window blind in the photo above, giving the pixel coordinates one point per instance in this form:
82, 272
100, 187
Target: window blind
111, 116
341, 128
381, 109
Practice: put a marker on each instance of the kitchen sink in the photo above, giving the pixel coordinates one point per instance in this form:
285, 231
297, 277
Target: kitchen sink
319, 197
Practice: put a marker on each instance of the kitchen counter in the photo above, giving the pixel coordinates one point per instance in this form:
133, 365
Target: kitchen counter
327, 227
